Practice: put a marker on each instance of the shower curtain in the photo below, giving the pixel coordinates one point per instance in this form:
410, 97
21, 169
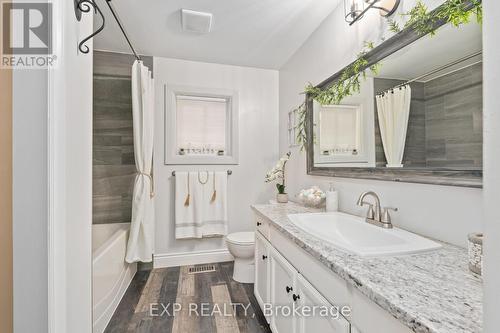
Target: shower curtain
393, 108
141, 239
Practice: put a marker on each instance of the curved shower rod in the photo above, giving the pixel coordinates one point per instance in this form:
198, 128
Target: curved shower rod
85, 6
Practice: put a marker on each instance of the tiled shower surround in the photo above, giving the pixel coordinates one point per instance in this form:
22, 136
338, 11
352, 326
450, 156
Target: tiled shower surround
113, 149
445, 126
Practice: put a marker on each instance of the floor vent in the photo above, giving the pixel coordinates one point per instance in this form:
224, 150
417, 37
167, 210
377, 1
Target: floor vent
201, 269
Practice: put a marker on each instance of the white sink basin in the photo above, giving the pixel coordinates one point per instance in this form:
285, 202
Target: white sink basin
354, 234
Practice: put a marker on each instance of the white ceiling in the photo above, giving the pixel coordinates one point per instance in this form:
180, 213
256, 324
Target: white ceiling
256, 33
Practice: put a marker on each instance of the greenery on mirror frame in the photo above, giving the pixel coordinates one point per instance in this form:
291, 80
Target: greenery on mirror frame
457, 12
348, 84
300, 127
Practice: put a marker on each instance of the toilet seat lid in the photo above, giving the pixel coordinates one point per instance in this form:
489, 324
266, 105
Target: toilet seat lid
247, 237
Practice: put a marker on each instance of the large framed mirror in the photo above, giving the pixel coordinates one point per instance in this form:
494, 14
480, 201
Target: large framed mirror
419, 119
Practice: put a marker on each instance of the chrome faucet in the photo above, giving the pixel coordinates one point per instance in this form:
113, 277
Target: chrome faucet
375, 214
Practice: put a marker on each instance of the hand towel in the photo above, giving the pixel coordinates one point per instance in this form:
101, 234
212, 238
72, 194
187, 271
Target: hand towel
206, 213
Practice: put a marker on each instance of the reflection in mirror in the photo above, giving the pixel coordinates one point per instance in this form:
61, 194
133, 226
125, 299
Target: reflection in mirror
426, 109
341, 140
344, 134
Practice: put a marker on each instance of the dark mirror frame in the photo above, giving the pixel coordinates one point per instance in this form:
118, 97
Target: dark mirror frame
439, 176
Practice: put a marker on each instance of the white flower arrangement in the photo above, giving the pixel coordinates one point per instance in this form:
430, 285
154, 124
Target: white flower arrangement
278, 172
313, 196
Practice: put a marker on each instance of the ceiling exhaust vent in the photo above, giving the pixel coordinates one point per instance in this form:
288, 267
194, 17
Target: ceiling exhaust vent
194, 21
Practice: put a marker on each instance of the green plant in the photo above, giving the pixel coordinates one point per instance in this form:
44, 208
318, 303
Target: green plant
456, 12
348, 83
300, 127
278, 172
393, 26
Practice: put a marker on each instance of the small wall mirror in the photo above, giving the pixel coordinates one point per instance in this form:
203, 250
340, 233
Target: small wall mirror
419, 119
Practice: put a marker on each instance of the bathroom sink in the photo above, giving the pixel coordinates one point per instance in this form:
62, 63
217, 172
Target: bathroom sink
353, 234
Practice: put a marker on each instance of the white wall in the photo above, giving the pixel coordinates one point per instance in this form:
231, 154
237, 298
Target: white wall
446, 213
70, 177
52, 186
258, 145
491, 55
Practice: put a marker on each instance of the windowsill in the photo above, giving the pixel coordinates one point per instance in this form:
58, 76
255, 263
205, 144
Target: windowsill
201, 160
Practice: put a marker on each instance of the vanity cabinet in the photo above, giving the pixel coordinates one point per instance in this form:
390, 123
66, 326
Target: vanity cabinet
286, 275
279, 288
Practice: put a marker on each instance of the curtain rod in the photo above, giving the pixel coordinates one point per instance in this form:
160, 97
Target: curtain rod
122, 28
434, 71
439, 69
229, 172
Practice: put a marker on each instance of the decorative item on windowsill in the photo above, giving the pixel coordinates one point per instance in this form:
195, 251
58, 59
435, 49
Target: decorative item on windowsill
312, 197
476, 253
277, 173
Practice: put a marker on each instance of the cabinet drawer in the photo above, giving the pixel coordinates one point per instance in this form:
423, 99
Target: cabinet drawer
262, 226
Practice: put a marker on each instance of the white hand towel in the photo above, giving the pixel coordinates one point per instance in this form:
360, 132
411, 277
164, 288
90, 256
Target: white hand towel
201, 216
215, 206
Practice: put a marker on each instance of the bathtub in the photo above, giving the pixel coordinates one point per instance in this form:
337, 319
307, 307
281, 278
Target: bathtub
111, 275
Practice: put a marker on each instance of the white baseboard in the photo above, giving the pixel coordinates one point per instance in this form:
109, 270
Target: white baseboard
191, 258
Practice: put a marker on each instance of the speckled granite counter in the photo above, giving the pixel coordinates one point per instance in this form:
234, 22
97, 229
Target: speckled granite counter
429, 292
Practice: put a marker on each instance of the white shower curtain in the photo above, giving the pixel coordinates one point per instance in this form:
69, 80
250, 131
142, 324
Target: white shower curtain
141, 239
393, 108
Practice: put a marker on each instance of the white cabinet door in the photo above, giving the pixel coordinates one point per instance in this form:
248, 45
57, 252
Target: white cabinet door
310, 297
262, 278
282, 294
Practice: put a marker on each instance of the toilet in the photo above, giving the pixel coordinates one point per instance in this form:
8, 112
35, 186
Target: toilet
241, 245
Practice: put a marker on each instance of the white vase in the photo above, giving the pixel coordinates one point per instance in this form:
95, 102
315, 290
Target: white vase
282, 197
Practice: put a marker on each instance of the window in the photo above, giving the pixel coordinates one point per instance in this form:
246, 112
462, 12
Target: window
201, 126
342, 135
339, 130
292, 125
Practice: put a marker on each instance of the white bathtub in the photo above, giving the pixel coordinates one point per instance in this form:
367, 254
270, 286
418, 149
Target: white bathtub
111, 274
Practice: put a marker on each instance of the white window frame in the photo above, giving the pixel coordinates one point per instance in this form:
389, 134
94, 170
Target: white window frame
361, 157
292, 128
172, 156
364, 101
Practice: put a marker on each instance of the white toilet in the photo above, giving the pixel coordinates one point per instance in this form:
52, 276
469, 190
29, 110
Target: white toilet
241, 245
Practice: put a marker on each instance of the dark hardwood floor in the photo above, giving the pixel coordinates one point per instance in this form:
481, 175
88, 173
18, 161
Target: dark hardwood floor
173, 300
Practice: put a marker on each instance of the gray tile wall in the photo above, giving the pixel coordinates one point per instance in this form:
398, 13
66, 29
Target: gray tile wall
453, 119
113, 151
445, 125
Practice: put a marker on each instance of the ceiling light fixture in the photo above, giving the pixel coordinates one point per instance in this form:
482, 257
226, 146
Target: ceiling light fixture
355, 9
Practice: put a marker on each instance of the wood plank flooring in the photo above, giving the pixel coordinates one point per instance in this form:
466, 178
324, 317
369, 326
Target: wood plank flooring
171, 300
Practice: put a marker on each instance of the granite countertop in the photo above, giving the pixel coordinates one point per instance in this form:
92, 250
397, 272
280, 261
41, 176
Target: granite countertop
429, 292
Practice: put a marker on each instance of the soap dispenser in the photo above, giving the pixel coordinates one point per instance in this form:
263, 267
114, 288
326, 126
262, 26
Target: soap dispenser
332, 199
